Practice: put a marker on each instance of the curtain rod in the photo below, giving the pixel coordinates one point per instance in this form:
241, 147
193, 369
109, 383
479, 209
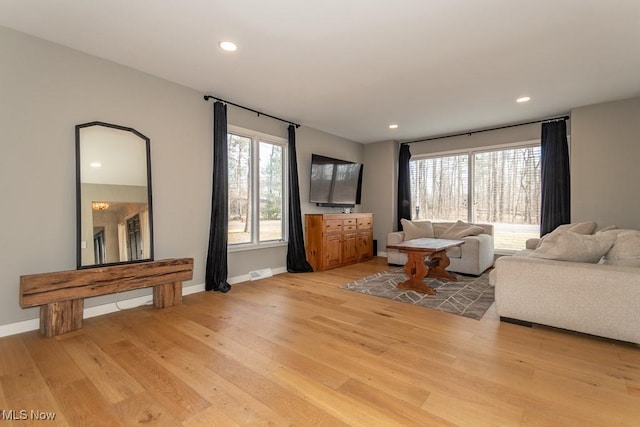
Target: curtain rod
259, 113
553, 119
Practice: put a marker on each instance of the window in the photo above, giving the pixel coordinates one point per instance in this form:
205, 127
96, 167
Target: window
257, 190
439, 187
505, 191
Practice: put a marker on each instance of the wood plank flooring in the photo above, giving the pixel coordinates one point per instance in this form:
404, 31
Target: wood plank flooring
294, 349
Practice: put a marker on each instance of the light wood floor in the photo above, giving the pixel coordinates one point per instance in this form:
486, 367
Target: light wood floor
296, 350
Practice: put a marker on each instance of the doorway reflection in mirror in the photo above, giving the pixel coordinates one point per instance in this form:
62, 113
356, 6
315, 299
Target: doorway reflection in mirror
123, 232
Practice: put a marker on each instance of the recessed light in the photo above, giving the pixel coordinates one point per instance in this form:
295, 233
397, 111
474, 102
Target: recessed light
96, 164
228, 46
394, 126
523, 99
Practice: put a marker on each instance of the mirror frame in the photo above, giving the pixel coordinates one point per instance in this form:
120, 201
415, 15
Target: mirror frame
79, 197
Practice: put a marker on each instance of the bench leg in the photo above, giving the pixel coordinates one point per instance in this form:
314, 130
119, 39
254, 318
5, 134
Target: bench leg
61, 317
167, 295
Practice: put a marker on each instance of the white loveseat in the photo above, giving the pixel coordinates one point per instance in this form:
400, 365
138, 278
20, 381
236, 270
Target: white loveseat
473, 257
599, 298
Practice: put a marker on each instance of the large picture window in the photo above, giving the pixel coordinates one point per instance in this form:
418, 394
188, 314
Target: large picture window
505, 191
257, 190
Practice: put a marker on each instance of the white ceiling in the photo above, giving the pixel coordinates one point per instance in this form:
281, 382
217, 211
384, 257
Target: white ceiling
352, 67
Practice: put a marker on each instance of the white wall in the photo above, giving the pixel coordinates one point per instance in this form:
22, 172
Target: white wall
45, 90
605, 172
605, 148
48, 89
483, 139
379, 188
308, 141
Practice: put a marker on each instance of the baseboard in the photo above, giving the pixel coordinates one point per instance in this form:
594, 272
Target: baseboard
19, 327
99, 310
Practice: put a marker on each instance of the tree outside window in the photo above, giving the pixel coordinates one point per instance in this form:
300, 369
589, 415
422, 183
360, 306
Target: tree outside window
505, 191
256, 188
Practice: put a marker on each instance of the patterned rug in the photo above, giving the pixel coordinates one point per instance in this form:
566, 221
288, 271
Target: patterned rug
469, 296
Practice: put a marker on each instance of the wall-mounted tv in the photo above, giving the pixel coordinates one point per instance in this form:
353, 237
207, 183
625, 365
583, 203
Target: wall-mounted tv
334, 182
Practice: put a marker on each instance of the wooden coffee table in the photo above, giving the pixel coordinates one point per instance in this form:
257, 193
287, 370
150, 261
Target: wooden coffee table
416, 267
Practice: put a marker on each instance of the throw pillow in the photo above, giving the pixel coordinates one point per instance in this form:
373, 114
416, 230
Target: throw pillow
575, 247
461, 229
416, 229
625, 249
586, 227
439, 228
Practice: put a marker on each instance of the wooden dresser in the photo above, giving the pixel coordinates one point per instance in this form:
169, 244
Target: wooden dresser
334, 240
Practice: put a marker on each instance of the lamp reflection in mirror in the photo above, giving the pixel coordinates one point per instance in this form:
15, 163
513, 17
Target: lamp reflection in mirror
99, 206
114, 199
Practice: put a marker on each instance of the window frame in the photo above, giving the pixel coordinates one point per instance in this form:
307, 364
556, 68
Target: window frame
470, 152
254, 165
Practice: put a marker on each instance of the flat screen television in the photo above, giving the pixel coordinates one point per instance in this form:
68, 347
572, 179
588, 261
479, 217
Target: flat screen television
334, 182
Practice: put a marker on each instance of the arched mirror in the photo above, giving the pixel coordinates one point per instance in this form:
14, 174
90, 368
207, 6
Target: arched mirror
113, 188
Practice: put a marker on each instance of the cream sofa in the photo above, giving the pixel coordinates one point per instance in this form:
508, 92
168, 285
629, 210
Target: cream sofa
473, 257
598, 298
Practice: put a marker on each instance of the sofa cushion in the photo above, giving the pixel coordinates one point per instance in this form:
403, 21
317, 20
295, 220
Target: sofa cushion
416, 229
586, 228
523, 252
614, 231
455, 252
575, 247
625, 249
461, 229
532, 243
395, 238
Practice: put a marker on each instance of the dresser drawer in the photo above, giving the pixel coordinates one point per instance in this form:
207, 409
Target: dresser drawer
332, 226
365, 223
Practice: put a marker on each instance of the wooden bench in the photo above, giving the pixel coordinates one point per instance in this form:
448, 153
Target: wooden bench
61, 295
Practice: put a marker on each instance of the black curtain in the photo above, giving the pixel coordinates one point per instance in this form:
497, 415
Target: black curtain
296, 257
556, 196
404, 185
217, 270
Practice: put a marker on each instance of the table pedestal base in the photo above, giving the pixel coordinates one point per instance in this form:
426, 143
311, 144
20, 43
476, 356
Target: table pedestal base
416, 269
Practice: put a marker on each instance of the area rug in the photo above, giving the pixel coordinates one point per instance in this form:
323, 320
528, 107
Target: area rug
468, 296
